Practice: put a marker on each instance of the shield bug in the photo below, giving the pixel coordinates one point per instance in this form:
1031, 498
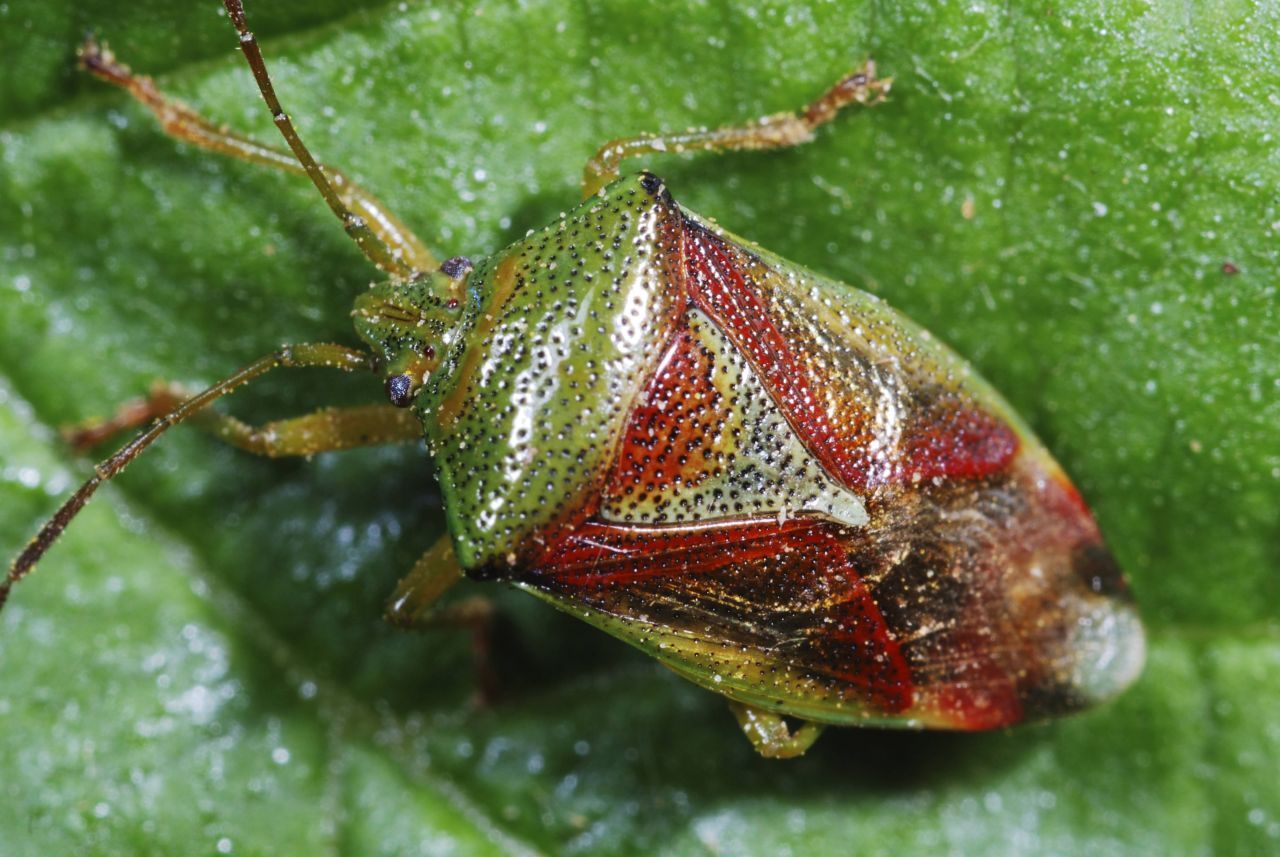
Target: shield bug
772, 482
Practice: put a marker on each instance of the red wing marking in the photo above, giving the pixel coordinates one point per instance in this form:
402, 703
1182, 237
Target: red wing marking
716, 284
756, 582
980, 695
961, 443
671, 432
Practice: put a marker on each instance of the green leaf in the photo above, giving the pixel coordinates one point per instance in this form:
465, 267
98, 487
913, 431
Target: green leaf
1080, 197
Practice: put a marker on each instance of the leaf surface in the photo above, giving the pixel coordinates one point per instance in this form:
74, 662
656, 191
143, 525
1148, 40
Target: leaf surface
1080, 197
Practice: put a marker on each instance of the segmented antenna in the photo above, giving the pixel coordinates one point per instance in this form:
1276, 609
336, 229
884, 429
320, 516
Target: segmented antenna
370, 244
320, 354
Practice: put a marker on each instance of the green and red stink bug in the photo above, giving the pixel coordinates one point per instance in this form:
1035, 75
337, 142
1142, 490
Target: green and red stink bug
772, 482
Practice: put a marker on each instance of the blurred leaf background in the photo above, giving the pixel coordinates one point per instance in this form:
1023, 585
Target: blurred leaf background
1079, 196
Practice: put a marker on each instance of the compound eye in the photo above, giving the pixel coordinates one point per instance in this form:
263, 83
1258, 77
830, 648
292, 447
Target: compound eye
400, 390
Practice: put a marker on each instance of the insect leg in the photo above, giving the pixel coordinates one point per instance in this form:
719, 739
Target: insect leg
325, 430
769, 734
319, 354
382, 236
133, 414
776, 131
413, 606
435, 572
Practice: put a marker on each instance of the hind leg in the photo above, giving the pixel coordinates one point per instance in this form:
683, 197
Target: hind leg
770, 735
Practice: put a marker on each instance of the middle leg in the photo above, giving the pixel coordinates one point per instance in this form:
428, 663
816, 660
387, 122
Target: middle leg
772, 132
414, 606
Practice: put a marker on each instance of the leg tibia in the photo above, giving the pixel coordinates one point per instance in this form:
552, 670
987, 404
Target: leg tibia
133, 414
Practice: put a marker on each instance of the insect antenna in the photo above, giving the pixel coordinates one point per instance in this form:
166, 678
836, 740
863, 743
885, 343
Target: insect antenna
334, 356
385, 257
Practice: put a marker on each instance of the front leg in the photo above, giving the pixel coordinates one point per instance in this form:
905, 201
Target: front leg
326, 430
382, 237
318, 354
